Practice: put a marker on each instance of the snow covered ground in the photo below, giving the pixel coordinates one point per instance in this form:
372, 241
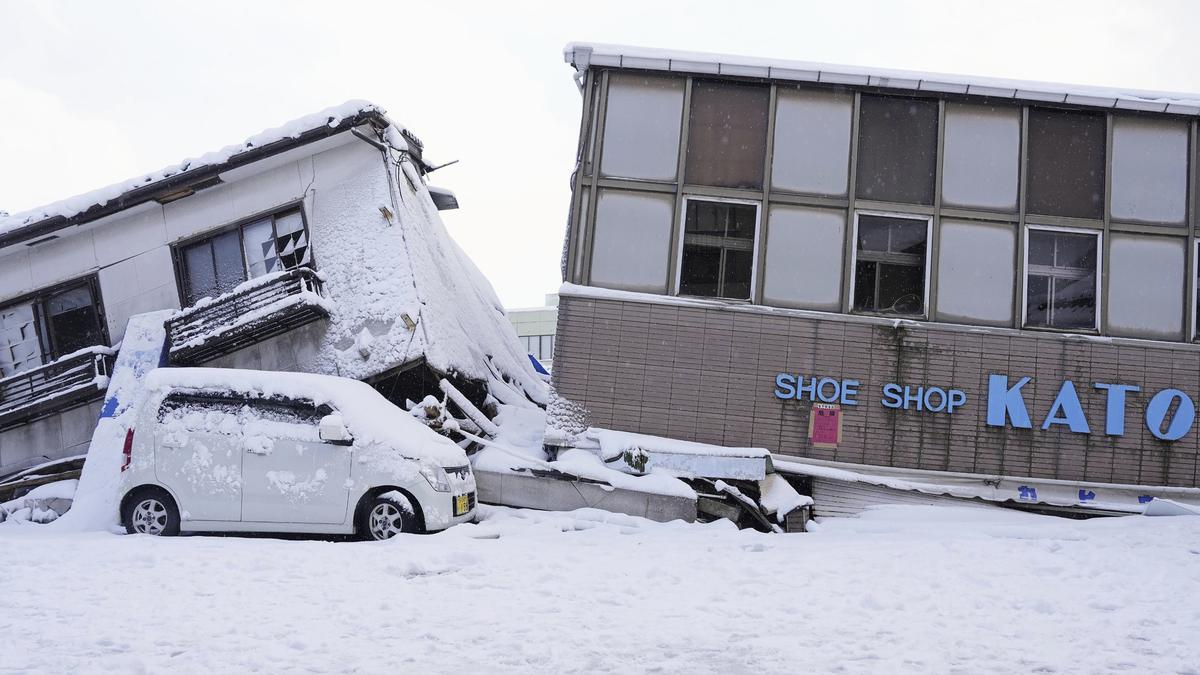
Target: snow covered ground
903, 589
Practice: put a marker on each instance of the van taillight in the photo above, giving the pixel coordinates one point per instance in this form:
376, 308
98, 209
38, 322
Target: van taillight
127, 451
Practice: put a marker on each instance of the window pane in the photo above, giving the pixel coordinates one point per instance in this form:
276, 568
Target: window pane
1074, 302
890, 277
1041, 248
804, 257
1149, 181
19, 346
1066, 163
701, 267
1146, 286
73, 319
1075, 250
260, 248
200, 274
547, 347
631, 245
982, 151
812, 141
737, 274
901, 289
1038, 311
897, 149
976, 273
641, 127
727, 134
864, 285
228, 253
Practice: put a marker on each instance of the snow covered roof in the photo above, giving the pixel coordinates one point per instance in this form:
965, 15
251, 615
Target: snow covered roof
96, 204
583, 55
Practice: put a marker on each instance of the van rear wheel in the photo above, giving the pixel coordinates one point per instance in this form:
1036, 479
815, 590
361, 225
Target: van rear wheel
151, 512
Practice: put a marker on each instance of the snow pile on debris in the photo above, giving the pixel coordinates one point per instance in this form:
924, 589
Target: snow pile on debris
79, 203
42, 504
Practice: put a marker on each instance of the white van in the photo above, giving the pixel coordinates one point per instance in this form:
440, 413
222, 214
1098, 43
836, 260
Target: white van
214, 449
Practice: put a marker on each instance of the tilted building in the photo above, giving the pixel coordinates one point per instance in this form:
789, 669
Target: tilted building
892, 273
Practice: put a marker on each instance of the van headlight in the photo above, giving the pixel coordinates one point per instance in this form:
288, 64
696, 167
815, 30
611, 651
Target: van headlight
436, 476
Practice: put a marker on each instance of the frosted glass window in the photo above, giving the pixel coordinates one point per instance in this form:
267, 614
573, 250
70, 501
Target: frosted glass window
897, 149
812, 141
1066, 163
981, 156
632, 241
804, 257
1146, 286
1149, 181
641, 127
727, 134
976, 273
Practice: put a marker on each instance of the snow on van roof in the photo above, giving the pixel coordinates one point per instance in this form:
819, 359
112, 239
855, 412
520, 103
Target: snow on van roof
369, 416
74, 206
583, 55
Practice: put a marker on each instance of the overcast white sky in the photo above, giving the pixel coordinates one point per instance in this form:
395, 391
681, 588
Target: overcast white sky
95, 92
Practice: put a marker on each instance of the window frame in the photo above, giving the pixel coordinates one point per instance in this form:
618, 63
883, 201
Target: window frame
1097, 321
45, 333
681, 219
853, 269
1194, 271
178, 247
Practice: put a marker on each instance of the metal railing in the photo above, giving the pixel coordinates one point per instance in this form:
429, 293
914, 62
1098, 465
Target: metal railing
37, 391
229, 322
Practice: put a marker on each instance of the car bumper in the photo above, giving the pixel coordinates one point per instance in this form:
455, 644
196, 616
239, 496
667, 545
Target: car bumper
443, 513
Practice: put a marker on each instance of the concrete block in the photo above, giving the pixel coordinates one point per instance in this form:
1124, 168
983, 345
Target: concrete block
550, 494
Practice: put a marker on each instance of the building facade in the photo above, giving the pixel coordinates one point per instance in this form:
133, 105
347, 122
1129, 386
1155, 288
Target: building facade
884, 269
535, 327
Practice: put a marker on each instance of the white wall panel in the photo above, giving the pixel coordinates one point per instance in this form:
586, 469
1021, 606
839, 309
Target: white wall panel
976, 273
632, 243
804, 257
982, 149
1146, 283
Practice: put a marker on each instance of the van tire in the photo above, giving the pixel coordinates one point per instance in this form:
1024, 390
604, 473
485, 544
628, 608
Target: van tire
151, 511
385, 517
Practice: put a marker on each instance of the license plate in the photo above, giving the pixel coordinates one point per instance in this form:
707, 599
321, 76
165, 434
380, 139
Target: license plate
461, 505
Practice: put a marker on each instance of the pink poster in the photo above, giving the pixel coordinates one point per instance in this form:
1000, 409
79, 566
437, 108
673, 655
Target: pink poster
825, 426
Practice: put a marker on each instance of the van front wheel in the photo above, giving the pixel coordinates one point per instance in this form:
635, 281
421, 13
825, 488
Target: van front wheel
387, 517
151, 512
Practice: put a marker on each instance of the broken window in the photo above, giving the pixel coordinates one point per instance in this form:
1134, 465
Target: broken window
1060, 282
718, 249
1066, 163
727, 134
219, 263
889, 264
48, 325
897, 149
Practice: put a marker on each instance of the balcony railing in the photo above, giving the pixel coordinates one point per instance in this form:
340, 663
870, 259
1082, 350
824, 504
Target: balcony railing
258, 309
39, 391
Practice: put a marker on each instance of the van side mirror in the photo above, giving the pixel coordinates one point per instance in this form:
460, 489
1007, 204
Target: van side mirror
333, 430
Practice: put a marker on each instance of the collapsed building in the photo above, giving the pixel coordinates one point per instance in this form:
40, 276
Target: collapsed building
313, 247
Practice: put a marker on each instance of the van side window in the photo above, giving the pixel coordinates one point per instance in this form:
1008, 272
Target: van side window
294, 419
210, 414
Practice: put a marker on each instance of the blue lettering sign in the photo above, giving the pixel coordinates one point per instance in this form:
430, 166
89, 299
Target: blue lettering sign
849, 392
1160, 405
1066, 410
1114, 415
891, 396
1005, 402
785, 386
957, 398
